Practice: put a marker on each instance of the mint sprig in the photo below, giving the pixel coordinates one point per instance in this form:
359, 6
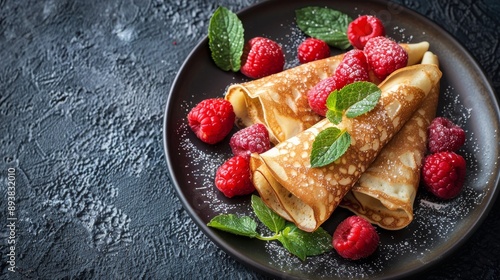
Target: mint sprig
326, 24
226, 39
351, 101
298, 242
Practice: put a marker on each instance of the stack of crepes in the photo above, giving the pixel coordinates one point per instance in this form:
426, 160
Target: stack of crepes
283, 176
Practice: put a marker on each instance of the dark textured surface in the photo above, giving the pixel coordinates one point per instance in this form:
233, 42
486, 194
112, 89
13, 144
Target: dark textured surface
83, 86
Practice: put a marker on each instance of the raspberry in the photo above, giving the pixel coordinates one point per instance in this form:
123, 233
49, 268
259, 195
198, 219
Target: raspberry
384, 56
261, 57
363, 28
212, 119
312, 49
252, 139
444, 135
317, 95
352, 68
444, 174
355, 238
233, 177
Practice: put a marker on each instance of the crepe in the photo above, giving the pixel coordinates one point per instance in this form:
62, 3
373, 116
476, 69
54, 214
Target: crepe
385, 192
307, 196
279, 101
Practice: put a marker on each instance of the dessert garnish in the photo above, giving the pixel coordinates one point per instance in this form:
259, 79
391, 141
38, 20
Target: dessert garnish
355, 238
443, 174
363, 29
317, 95
325, 24
312, 49
252, 139
232, 178
352, 68
444, 135
385, 56
226, 39
211, 119
262, 57
300, 243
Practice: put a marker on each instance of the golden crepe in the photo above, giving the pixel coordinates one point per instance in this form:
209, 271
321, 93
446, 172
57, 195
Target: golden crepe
279, 101
307, 196
385, 192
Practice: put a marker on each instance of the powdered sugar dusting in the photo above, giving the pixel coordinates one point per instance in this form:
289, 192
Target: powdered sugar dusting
294, 37
402, 36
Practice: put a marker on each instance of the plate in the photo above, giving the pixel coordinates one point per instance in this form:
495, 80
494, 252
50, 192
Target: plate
439, 227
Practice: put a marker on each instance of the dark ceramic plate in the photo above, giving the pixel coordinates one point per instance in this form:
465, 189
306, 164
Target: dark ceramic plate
439, 227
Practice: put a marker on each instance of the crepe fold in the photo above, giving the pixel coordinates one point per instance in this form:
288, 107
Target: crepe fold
307, 196
385, 192
279, 101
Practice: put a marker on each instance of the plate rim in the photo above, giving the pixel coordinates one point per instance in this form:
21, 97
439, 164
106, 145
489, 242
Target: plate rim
217, 237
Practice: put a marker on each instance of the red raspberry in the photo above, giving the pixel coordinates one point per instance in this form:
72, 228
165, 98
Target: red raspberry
444, 135
362, 29
355, 238
212, 119
252, 139
352, 68
262, 57
384, 56
317, 95
312, 49
444, 174
233, 177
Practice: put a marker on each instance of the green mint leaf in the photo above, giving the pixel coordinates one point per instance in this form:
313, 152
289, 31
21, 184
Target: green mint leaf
325, 24
303, 244
329, 145
245, 225
363, 106
365, 93
332, 114
267, 216
225, 39
334, 117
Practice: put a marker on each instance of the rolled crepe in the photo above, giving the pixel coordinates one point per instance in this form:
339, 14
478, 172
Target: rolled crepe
307, 196
385, 192
279, 101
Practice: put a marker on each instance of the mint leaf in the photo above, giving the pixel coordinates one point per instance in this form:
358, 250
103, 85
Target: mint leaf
298, 242
304, 244
267, 216
334, 117
245, 225
358, 98
329, 145
225, 39
363, 106
325, 24
332, 114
